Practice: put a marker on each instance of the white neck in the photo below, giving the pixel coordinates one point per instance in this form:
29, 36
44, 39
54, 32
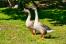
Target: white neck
28, 18
36, 16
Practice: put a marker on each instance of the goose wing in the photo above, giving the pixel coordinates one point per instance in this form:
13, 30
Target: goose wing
45, 26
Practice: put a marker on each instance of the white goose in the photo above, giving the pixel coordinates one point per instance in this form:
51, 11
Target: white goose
43, 29
29, 22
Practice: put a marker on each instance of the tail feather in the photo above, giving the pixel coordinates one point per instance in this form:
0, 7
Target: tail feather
49, 31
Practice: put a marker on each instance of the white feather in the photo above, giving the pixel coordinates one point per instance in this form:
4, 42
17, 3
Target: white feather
49, 31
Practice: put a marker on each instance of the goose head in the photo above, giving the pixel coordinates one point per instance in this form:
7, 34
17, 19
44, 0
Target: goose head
26, 10
34, 8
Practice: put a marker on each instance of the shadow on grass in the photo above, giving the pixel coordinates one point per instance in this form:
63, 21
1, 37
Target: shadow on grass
48, 36
14, 13
57, 15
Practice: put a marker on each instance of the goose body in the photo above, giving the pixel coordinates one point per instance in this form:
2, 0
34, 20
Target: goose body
38, 26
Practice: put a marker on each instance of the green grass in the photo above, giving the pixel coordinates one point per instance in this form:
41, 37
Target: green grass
15, 32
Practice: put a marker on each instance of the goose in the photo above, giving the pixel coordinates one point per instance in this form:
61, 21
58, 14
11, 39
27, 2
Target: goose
29, 22
43, 29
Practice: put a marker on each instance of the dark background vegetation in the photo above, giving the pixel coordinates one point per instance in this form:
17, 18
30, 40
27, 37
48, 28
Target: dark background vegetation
55, 10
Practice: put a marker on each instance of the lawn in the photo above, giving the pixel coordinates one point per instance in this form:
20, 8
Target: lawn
14, 31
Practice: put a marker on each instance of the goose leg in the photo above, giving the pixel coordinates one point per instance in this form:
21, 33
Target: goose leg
33, 31
42, 34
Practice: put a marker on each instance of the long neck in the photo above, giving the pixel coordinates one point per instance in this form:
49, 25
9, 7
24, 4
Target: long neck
28, 18
36, 16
